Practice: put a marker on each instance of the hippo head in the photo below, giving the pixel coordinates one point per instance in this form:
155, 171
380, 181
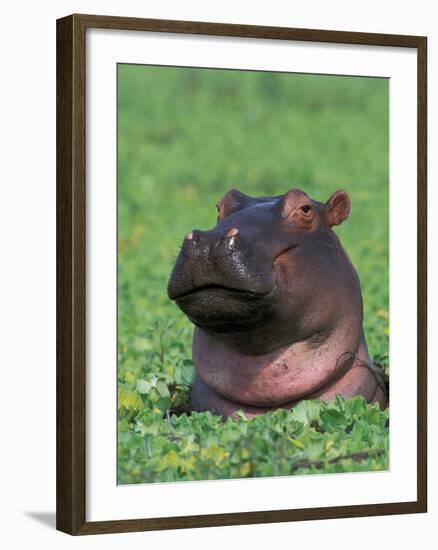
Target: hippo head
266, 275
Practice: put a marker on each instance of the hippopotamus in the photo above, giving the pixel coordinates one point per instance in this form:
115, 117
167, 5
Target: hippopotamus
276, 304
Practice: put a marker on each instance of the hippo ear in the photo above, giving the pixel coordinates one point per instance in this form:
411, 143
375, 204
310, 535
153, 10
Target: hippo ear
337, 208
232, 201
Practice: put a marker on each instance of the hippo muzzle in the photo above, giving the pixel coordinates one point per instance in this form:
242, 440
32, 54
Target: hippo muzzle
221, 280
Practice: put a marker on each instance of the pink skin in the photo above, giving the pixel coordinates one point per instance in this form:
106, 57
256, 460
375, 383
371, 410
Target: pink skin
228, 381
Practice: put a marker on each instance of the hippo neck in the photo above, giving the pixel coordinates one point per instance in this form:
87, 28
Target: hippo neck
278, 377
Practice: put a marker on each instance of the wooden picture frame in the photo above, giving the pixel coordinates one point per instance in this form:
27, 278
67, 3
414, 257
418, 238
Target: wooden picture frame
71, 273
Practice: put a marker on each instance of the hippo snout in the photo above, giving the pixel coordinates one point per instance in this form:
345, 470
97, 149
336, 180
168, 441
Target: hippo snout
219, 260
220, 278
204, 244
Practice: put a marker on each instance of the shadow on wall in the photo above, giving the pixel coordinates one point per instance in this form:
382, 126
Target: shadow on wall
45, 518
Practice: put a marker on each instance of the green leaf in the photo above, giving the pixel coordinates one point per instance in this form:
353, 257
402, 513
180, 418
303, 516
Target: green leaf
143, 386
355, 407
184, 372
315, 448
130, 400
163, 404
162, 388
333, 419
307, 412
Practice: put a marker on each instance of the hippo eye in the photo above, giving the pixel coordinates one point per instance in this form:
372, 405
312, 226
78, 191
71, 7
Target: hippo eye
306, 208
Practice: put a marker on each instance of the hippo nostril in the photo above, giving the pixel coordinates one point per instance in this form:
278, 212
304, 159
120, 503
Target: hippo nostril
231, 232
194, 237
230, 238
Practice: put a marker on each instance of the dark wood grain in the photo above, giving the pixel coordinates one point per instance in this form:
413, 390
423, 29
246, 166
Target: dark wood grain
71, 269
247, 518
248, 31
422, 275
71, 230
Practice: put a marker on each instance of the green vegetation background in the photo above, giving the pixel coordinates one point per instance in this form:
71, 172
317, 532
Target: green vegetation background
185, 136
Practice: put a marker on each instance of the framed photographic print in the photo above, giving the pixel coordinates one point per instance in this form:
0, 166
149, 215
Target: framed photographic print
241, 274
